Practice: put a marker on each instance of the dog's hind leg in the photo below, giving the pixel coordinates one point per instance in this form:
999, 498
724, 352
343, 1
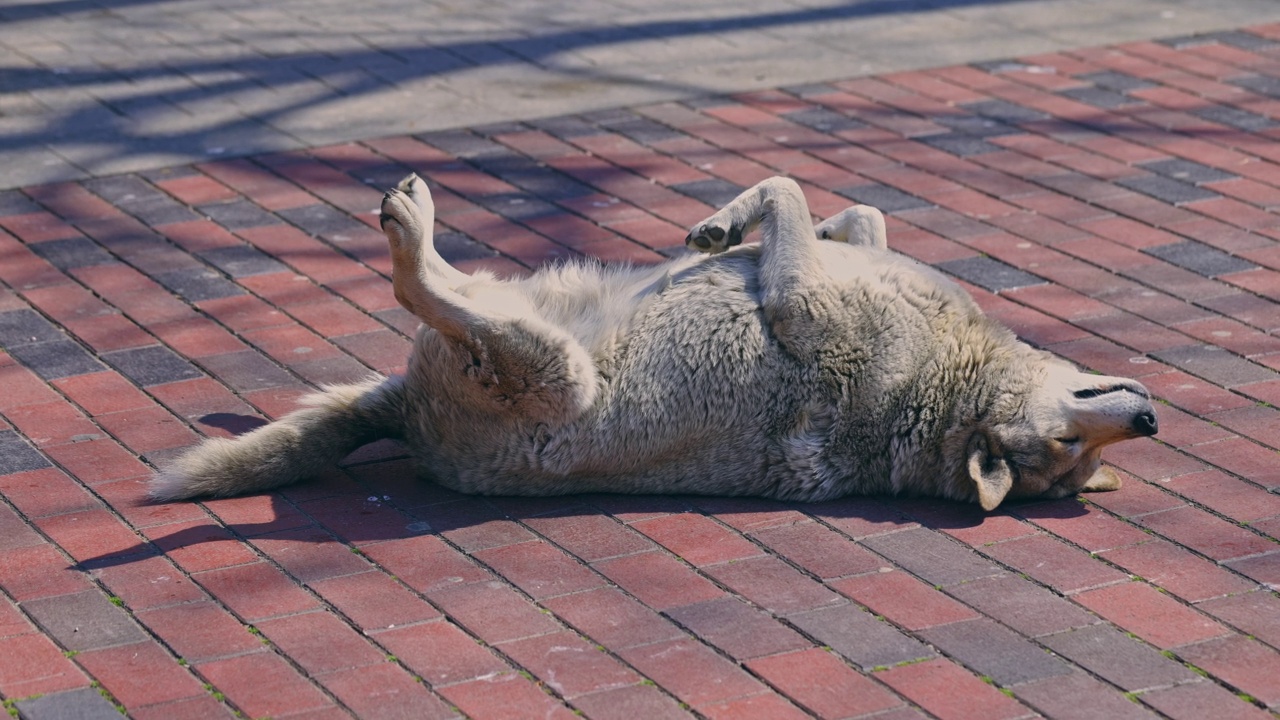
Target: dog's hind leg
856, 225
514, 358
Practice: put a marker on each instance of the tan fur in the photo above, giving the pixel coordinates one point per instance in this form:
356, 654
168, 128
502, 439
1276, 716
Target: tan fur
796, 369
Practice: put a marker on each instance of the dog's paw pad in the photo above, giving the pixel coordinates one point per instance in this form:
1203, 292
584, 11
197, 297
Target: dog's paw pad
711, 237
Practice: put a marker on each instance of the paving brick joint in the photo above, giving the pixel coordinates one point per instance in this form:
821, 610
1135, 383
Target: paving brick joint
1112, 204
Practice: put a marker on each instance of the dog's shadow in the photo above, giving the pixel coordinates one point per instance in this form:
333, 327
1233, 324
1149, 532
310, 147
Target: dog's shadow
376, 494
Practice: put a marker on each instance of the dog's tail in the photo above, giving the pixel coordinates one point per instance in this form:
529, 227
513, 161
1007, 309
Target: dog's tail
297, 446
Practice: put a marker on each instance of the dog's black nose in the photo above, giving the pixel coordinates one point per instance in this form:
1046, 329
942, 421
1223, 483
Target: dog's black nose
1145, 423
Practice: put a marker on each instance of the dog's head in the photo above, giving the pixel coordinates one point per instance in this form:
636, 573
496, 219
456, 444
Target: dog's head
1050, 445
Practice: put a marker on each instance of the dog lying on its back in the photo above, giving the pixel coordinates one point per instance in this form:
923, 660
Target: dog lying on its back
796, 369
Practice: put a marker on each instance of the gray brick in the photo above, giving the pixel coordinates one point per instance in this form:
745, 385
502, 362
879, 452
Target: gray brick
1216, 365
1166, 189
1187, 171
1022, 605
242, 261
198, 283
1099, 97
84, 621
56, 359
1242, 39
26, 327
1117, 81
1260, 84
989, 273
737, 628
932, 556
861, 638
72, 253
884, 198
323, 221
461, 143
154, 365
565, 128
517, 206
239, 214
140, 199
959, 143
1186, 41
1004, 110
809, 90
1108, 653
13, 202
1236, 118
246, 370
83, 704
708, 101
1200, 258
991, 650
1080, 697
17, 456
715, 192
977, 126
824, 120
454, 247
638, 128
499, 128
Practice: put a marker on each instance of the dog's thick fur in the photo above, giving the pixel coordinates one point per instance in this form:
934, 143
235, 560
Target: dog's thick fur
797, 369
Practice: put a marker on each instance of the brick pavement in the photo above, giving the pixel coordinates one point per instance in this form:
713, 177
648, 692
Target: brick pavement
1112, 205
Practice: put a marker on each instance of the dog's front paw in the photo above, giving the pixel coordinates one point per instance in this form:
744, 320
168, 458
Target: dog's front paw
713, 236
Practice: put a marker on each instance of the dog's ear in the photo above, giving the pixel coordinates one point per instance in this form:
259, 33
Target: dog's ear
1102, 480
989, 470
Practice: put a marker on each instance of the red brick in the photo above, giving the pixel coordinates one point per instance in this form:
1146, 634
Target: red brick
1054, 563
320, 642
1083, 525
494, 612
425, 563
129, 498
373, 600
255, 591
22, 387
1136, 498
200, 631
738, 629
591, 537
773, 585
691, 671
38, 571
263, 684
613, 619
539, 569
1244, 458
41, 493
308, 553
1151, 460
904, 600
505, 696
1205, 533
32, 665
52, 423
697, 539
103, 392
441, 653
140, 674
568, 664
1156, 618
92, 535
765, 706
148, 583
148, 429
1080, 697
1246, 664
201, 707
200, 545
823, 685
1254, 613
946, 690
197, 189
1173, 568
969, 524
385, 691
658, 580
196, 337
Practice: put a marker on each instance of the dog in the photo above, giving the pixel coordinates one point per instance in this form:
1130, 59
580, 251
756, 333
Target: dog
814, 364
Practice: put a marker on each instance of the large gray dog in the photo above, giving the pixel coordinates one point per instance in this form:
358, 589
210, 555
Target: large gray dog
799, 369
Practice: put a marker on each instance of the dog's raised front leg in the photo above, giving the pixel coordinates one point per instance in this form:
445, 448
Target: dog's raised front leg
791, 273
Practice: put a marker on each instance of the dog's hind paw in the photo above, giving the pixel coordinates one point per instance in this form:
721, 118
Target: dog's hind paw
713, 236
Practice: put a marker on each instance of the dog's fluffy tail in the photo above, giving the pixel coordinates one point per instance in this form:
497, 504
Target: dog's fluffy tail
299, 445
